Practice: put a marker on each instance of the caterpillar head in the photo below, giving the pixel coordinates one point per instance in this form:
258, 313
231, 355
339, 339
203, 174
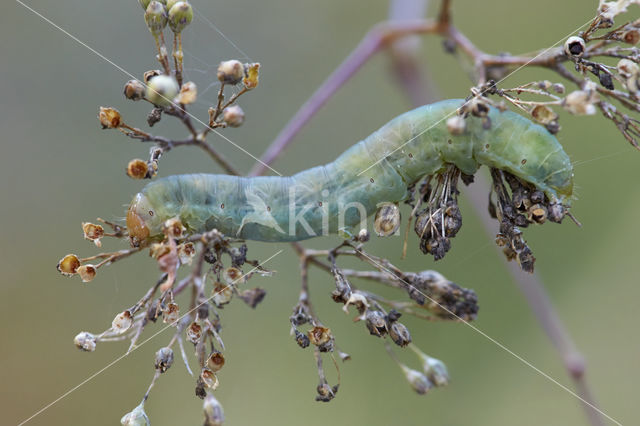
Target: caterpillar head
142, 220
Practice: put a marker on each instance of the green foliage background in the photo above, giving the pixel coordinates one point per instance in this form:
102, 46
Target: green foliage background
57, 168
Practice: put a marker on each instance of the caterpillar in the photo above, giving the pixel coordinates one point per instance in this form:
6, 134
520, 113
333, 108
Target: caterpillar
337, 196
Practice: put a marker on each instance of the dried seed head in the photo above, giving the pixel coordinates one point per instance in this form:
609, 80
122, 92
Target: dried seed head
163, 359
253, 296
122, 322
93, 232
627, 68
171, 313
543, 114
180, 15
109, 118
574, 47
319, 335
137, 169
456, 125
215, 362
194, 332
233, 116
399, 333
213, 413
161, 90
85, 341
251, 72
209, 379
87, 272
580, 102
631, 36
68, 265
230, 72
538, 213
173, 228
188, 93
301, 339
134, 90
148, 75
222, 294
136, 418
376, 323
156, 17
387, 220
418, 381
233, 276
186, 252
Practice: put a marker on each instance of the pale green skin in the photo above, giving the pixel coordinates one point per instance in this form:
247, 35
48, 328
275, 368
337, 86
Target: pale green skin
257, 208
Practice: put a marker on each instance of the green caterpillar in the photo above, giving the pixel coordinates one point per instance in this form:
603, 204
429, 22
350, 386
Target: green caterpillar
338, 196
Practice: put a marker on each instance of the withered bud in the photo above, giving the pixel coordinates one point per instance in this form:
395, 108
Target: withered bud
209, 378
558, 88
136, 418
436, 371
574, 47
109, 118
233, 116
319, 335
87, 272
215, 362
163, 359
68, 265
363, 236
148, 75
544, 85
222, 294
252, 297
180, 15
213, 413
93, 232
122, 322
456, 125
251, 72
376, 323
478, 107
161, 90
230, 72
627, 68
538, 213
156, 17
194, 332
301, 339
173, 228
580, 102
233, 276
171, 313
85, 341
186, 252
543, 114
631, 36
399, 333
137, 169
134, 90
387, 220
419, 382
188, 93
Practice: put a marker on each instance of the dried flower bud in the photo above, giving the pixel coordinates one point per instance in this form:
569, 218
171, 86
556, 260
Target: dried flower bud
418, 381
543, 114
399, 333
134, 90
301, 339
156, 17
163, 359
186, 252
222, 294
574, 47
233, 276
319, 335
188, 93
253, 296
580, 102
627, 68
387, 220
87, 272
136, 418
376, 323
215, 362
209, 378
213, 413
180, 15
68, 265
85, 341
109, 118
251, 72
171, 313
137, 169
161, 90
122, 322
194, 332
149, 75
93, 232
631, 36
233, 116
230, 72
174, 228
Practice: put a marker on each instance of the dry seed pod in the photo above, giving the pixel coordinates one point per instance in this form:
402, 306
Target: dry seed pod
399, 333
215, 362
68, 265
222, 294
134, 90
93, 232
163, 359
233, 116
87, 272
188, 93
137, 169
387, 220
109, 118
171, 313
418, 381
574, 47
209, 378
213, 413
194, 332
122, 322
161, 90
230, 72
148, 75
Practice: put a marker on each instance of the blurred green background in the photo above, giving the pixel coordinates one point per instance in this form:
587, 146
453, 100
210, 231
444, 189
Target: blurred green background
58, 168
